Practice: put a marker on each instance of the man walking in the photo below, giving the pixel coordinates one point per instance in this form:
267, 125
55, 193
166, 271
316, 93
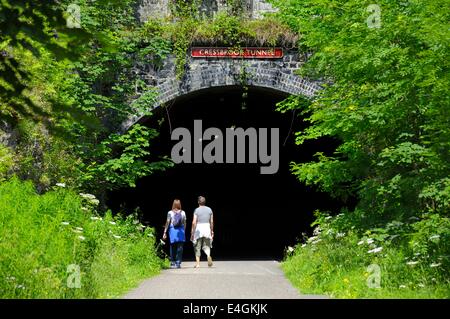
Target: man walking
202, 233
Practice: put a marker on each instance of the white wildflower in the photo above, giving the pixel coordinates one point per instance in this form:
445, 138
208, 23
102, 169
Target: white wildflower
433, 265
316, 231
79, 228
112, 223
20, 286
84, 209
412, 263
95, 218
375, 250
290, 249
81, 237
316, 241
421, 285
11, 278
117, 236
65, 223
94, 202
370, 241
87, 196
313, 238
340, 235
360, 242
304, 245
434, 237
402, 286
61, 185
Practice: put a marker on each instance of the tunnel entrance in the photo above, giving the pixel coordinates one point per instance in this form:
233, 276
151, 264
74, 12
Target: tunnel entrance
256, 216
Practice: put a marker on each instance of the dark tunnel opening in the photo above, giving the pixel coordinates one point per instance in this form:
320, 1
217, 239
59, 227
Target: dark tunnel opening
256, 216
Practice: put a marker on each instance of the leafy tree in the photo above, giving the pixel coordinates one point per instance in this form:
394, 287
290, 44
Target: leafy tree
85, 72
32, 28
385, 75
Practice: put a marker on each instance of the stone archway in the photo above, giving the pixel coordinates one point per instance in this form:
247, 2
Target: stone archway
234, 190
204, 73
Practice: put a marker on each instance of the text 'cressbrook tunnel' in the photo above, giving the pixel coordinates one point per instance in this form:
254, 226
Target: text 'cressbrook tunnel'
256, 216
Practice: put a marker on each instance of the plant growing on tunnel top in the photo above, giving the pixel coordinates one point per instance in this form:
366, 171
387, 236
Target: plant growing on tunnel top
244, 78
185, 8
224, 29
237, 7
194, 8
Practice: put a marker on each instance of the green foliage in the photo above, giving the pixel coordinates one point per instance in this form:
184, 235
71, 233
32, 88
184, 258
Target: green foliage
97, 84
224, 29
109, 171
42, 235
30, 29
387, 102
6, 161
385, 98
43, 158
413, 259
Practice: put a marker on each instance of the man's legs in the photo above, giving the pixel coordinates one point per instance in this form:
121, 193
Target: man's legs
207, 249
198, 252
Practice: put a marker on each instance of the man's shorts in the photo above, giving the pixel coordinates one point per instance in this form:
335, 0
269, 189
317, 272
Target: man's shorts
203, 244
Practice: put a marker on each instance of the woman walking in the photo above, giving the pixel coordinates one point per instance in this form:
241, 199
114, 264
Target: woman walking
176, 225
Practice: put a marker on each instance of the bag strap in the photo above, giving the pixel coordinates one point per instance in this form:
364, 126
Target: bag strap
179, 212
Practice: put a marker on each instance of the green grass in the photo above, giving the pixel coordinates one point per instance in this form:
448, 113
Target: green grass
41, 235
338, 267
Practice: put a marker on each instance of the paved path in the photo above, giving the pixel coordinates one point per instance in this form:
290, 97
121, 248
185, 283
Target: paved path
225, 280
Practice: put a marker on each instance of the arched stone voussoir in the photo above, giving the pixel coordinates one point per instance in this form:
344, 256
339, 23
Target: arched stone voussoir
201, 74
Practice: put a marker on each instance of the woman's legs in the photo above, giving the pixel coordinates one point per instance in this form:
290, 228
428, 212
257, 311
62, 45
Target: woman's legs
172, 254
179, 254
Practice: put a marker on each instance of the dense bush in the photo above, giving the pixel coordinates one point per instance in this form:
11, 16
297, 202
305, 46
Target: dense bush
43, 235
385, 75
403, 260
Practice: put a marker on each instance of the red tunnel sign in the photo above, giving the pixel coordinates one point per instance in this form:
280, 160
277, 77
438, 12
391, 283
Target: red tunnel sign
243, 53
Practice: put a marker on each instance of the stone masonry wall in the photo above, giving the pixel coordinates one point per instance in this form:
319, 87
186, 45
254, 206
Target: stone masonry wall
206, 73
160, 8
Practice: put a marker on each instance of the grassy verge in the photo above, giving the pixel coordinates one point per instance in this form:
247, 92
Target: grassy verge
54, 246
348, 265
